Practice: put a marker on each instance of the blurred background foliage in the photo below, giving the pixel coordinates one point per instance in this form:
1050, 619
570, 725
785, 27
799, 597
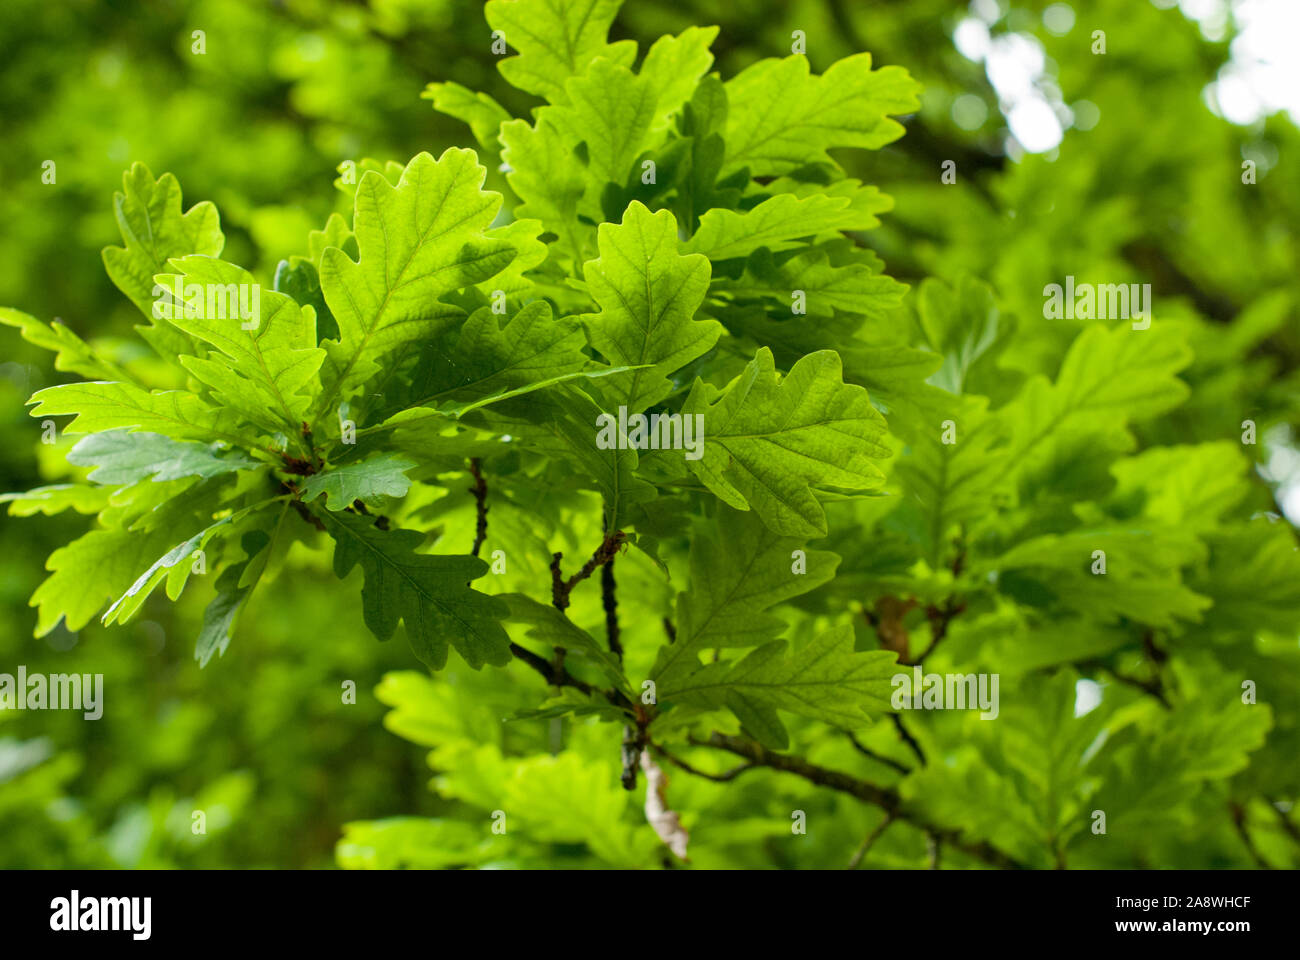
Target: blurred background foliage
1116, 167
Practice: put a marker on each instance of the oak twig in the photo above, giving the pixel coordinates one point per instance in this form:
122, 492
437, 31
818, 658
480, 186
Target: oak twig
480, 499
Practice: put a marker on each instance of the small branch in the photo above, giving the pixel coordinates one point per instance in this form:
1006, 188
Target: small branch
480, 497
309, 517
940, 618
715, 777
558, 667
609, 598
908, 738
606, 552
872, 837
868, 752
554, 674
887, 799
559, 596
1149, 647
561, 588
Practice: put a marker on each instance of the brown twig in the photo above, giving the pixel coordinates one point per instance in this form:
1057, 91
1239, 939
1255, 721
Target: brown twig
559, 596
561, 588
555, 674
1154, 687
307, 515
609, 599
480, 498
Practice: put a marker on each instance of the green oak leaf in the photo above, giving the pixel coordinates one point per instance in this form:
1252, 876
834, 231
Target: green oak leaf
769, 440
823, 679
483, 114
609, 111
545, 175
674, 65
234, 587
154, 231
1107, 378
776, 224
367, 481
555, 40
484, 357
175, 565
563, 424
738, 570
828, 287
92, 570
121, 456
71, 353
782, 117
430, 593
55, 498
648, 294
101, 405
267, 365
418, 241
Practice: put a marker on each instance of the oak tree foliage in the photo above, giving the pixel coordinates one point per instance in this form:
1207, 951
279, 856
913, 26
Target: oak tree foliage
418, 396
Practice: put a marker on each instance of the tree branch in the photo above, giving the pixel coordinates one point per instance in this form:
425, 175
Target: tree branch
609, 599
480, 497
561, 588
868, 752
887, 799
715, 777
555, 674
908, 738
940, 618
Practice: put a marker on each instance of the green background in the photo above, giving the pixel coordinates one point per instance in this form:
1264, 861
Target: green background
261, 739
